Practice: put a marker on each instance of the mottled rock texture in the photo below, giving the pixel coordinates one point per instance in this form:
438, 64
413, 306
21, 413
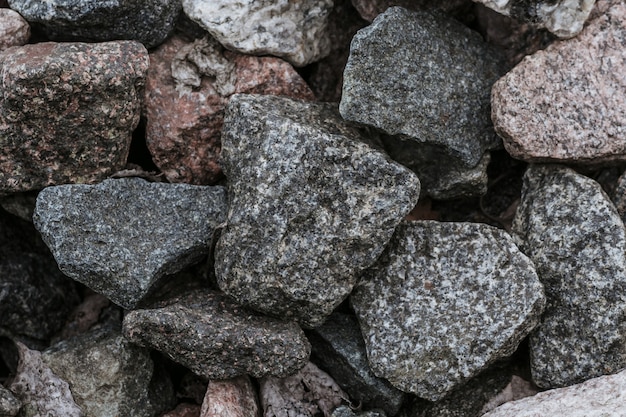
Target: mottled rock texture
145, 21
369, 9
67, 111
310, 206
566, 103
184, 410
9, 405
185, 100
226, 341
122, 236
426, 79
14, 30
234, 397
293, 30
345, 411
572, 232
443, 302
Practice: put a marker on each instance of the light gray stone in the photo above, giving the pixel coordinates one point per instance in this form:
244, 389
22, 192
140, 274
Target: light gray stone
14, 30
570, 229
443, 302
9, 405
122, 236
311, 206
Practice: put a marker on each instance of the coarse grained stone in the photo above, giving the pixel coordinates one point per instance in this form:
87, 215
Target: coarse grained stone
145, 21
345, 411
293, 30
9, 405
120, 237
14, 30
109, 376
572, 232
226, 340
369, 9
311, 206
235, 397
67, 111
566, 103
185, 112
443, 302
338, 348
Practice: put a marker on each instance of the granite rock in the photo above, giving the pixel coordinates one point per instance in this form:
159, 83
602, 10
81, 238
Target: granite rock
311, 206
234, 397
145, 21
566, 103
369, 9
67, 111
184, 107
14, 30
9, 405
345, 411
572, 232
295, 31
120, 237
227, 341
443, 302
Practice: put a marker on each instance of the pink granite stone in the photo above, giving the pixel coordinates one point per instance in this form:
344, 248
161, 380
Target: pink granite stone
234, 397
567, 103
185, 114
14, 30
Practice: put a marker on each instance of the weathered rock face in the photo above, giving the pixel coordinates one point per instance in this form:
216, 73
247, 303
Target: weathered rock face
121, 236
228, 340
566, 103
234, 397
145, 21
14, 30
9, 405
310, 206
187, 88
295, 31
369, 9
575, 237
443, 302
67, 111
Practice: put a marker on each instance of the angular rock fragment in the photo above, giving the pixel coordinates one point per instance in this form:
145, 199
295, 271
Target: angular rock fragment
572, 232
426, 79
311, 206
122, 236
443, 302
226, 340
67, 111
295, 31
9, 405
145, 21
184, 104
14, 30
234, 397
566, 103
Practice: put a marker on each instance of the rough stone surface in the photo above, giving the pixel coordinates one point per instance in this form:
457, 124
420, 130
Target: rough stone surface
234, 397
338, 348
516, 389
146, 21
572, 232
122, 236
109, 377
369, 9
310, 206
293, 30
184, 410
566, 103
598, 397
67, 111
443, 302
184, 106
345, 411
228, 341
14, 30
9, 405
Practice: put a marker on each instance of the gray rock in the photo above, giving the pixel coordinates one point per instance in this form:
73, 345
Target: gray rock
9, 405
311, 206
109, 376
427, 79
444, 302
570, 229
338, 348
21, 205
344, 411
14, 30
146, 21
226, 341
121, 236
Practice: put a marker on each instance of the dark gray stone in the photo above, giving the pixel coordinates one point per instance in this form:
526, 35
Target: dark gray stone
208, 333
122, 236
145, 21
9, 405
345, 411
443, 302
427, 79
573, 233
338, 348
310, 206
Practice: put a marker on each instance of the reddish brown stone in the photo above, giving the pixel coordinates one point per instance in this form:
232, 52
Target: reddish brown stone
234, 397
14, 30
184, 121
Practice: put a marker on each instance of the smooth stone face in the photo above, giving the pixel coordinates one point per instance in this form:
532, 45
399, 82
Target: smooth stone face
293, 30
14, 30
67, 111
9, 405
227, 340
121, 236
444, 302
566, 103
572, 232
145, 21
310, 206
